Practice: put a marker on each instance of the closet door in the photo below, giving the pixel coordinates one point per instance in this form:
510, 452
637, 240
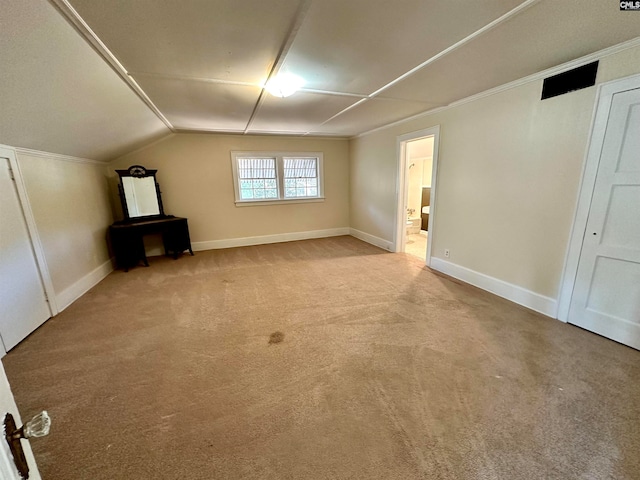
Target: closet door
606, 298
23, 304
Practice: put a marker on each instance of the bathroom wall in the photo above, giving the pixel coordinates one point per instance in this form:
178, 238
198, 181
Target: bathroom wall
427, 171
420, 154
425, 151
415, 186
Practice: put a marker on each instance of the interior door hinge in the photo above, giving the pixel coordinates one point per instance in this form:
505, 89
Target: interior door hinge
11, 174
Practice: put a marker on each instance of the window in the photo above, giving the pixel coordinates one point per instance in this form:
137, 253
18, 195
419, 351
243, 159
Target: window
257, 177
275, 177
300, 177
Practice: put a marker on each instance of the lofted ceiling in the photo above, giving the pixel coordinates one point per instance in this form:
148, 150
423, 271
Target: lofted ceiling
199, 65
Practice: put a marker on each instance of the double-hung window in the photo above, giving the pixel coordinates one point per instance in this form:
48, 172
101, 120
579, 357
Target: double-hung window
277, 177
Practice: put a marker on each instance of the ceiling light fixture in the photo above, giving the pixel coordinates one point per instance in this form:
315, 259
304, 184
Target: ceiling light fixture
284, 84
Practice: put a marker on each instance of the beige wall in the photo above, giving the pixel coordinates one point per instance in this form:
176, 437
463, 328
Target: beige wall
195, 175
70, 204
508, 175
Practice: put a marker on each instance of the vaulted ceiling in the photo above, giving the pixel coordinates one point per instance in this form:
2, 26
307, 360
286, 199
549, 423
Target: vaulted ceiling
98, 78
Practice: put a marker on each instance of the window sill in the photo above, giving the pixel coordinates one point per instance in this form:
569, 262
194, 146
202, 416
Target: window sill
256, 203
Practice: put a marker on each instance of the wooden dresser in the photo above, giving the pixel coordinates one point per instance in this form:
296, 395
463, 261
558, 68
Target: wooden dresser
127, 238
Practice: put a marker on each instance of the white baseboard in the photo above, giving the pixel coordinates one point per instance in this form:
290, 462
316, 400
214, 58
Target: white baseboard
373, 240
82, 286
264, 239
545, 305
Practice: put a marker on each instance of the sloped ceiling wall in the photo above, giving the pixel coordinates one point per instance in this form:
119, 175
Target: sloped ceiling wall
198, 65
57, 95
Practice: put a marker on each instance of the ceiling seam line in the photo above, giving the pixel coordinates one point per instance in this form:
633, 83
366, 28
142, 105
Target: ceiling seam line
511, 13
219, 81
344, 110
337, 94
187, 78
280, 58
74, 18
541, 75
523, 6
355, 105
239, 83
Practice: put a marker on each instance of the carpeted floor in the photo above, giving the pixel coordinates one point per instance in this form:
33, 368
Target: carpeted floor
321, 359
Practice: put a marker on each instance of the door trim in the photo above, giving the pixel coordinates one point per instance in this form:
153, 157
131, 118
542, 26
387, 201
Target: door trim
399, 235
604, 97
36, 244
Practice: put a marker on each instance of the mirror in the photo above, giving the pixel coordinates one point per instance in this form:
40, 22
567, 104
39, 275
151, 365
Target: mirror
139, 193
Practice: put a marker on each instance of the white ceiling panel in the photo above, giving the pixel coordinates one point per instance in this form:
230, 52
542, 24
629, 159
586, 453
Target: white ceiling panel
545, 35
298, 113
201, 105
222, 39
199, 63
370, 114
58, 96
358, 46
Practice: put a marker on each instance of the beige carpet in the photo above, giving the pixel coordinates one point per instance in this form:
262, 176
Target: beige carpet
322, 359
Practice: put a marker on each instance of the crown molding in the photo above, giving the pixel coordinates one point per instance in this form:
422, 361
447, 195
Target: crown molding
57, 156
606, 52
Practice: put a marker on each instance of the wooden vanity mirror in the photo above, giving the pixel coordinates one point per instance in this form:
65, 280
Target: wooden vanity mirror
144, 215
140, 193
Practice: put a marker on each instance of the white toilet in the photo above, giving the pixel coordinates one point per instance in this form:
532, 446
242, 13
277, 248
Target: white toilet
413, 226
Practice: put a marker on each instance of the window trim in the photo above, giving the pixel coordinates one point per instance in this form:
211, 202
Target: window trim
279, 160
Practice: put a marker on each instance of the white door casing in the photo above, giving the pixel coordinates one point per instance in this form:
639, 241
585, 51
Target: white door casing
606, 293
23, 304
401, 188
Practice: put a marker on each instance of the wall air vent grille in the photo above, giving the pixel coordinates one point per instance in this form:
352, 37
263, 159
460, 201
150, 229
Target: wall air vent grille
565, 82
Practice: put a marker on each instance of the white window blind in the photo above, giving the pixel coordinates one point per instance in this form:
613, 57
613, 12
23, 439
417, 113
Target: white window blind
300, 177
257, 178
274, 177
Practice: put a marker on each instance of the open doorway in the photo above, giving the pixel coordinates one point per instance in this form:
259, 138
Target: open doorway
416, 192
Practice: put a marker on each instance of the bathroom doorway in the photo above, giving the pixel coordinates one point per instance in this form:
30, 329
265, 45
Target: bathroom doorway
417, 167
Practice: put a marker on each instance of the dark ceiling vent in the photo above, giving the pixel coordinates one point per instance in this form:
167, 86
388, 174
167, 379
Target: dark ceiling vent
581, 77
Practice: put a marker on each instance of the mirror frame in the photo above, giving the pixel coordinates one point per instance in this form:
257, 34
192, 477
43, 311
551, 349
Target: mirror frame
138, 171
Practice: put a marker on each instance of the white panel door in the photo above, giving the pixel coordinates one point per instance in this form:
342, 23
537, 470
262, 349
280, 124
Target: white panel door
606, 297
23, 304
